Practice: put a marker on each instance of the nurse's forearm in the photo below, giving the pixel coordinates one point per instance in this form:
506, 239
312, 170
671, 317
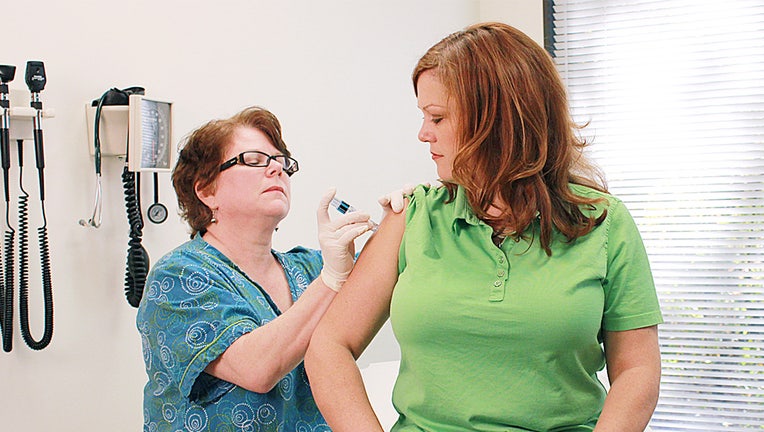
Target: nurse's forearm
258, 360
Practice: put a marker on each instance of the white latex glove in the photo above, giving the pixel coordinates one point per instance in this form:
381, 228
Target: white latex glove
395, 200
336, 239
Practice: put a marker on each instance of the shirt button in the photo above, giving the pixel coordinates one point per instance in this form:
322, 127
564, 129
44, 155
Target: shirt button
501, 259
497, 283
500, 273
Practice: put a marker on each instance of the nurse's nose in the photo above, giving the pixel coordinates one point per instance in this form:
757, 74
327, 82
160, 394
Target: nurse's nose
274, 168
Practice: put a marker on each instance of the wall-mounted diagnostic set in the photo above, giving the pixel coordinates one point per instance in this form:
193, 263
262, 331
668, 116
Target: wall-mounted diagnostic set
35, 80
129, 125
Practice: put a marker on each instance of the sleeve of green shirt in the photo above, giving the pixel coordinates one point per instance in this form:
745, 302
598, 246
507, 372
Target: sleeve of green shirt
631, 301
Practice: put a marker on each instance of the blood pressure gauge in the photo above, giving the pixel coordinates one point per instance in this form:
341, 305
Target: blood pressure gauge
150, 144
150, 130
157, 135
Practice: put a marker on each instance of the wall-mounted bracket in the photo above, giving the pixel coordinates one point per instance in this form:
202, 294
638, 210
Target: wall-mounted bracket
22, 114
113, 130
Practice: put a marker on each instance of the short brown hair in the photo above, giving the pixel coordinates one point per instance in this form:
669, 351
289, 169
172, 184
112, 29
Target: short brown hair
517, 140
202, 153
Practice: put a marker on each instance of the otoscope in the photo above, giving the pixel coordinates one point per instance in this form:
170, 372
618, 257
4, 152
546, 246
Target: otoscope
35, 79
7, 72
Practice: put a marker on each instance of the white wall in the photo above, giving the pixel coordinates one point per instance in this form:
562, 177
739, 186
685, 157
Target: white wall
526, 15
337, 74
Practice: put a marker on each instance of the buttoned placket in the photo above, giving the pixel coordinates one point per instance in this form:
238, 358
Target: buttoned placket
501, 270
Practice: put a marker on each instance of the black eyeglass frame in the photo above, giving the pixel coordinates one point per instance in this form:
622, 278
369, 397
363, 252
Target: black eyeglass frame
239, 159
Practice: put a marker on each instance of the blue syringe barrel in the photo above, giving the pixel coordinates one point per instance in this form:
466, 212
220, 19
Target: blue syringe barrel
344, 207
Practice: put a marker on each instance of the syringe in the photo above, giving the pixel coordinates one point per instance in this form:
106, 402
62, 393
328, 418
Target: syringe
344, 207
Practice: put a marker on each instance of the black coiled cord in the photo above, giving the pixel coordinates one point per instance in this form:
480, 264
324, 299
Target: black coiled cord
23, 240
6, 291
47, 286
137, 256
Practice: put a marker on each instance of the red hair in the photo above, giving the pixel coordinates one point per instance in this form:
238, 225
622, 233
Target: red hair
518, 144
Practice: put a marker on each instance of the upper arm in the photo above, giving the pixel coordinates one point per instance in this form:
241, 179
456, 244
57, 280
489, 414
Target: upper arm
637, 348
363, 304
174, 319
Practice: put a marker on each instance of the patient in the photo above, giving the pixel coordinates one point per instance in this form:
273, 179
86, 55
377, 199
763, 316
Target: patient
512, 286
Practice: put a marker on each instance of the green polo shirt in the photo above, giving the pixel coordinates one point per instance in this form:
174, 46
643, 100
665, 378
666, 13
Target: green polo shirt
507, 338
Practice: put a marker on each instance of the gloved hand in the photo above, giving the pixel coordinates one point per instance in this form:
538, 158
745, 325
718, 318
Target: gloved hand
395, 200
336, 239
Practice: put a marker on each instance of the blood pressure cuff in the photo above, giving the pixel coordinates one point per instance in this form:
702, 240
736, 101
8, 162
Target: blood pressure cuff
115, 96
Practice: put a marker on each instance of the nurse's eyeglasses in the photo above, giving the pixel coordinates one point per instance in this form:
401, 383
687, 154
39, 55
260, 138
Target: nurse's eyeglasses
256, 158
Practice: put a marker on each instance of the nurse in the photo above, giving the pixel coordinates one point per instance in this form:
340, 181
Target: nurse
225, 319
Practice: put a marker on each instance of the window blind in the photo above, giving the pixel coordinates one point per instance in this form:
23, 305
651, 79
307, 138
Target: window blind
673, 91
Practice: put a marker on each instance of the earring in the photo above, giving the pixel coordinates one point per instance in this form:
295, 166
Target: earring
213, 219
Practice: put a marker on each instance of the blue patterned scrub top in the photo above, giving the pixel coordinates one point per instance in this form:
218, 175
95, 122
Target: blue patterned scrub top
196, 304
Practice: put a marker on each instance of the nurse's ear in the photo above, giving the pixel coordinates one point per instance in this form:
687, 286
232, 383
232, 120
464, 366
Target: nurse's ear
206, 194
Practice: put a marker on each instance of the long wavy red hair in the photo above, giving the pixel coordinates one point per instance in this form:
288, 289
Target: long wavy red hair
518, 145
